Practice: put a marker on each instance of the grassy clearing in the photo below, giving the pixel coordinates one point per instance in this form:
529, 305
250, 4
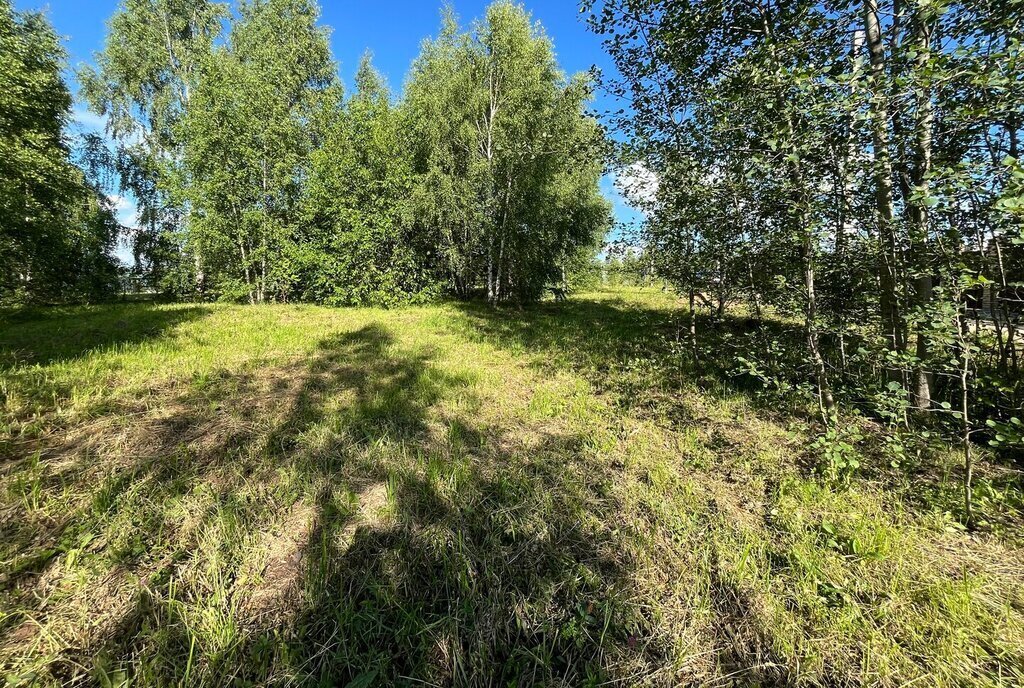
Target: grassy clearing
454, 495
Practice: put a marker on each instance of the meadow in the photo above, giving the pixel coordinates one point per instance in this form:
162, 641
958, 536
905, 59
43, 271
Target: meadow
459, 494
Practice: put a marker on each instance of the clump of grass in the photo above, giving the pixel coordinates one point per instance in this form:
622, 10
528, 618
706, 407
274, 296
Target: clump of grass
452, 495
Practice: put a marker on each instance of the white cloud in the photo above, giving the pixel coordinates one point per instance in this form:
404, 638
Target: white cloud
89, 121
128, 216
126, 210
638, 184
121, 202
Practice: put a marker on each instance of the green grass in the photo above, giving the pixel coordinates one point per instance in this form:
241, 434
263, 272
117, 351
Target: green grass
455, 495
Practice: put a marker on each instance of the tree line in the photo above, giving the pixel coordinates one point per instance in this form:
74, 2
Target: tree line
854, 166
258, 178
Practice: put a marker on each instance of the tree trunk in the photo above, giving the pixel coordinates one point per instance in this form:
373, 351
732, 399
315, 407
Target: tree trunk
888, 258
798, 213
918, 211
490, 271
825, 399
753, 288
843, 186
248, 272
200, 273
693, 321
263, 276
842, 242
965, 425
501, 259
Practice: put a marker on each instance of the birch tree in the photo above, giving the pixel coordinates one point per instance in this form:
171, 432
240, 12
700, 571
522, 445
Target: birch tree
507, 163
142, 85
879, 140
247, 140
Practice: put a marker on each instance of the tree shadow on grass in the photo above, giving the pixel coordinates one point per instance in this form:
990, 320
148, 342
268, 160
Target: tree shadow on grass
447, 551
513, 577
405, 539
45, 335
237, 445
436, 549
639, 353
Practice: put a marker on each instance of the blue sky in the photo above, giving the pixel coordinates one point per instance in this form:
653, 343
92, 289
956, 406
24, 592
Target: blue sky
392, 29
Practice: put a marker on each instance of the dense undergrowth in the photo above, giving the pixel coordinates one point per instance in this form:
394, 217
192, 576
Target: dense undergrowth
463, 495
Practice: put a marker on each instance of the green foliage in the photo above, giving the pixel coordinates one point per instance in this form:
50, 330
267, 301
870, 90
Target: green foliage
358, 243
506, 165
839, 453
1009, 433
258, 181
57, 231
853, 164
143, 84
247, 136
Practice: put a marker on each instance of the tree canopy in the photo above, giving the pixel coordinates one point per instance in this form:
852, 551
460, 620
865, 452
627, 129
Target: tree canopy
855, 163
57, 230
508, 170
259, 181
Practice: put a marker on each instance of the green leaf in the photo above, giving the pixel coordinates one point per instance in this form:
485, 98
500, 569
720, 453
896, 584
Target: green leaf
363, 680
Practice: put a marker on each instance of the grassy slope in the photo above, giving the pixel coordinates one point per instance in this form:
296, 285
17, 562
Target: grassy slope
451, 495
